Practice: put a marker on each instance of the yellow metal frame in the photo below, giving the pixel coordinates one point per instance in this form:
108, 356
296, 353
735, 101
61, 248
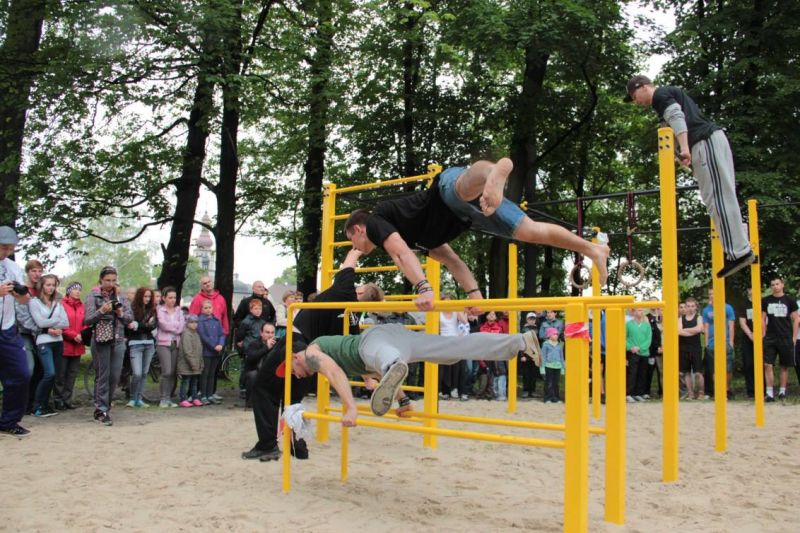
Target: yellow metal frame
755, 281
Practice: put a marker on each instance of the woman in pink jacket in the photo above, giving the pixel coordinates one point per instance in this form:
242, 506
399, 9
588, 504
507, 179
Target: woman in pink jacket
74, 337
168, 338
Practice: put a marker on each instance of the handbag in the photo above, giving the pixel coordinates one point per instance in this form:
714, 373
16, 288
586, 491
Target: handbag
104, 331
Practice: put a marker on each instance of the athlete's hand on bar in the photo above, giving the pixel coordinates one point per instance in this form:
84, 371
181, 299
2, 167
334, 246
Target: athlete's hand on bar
474, 310
404, 412
349, 417
424, 301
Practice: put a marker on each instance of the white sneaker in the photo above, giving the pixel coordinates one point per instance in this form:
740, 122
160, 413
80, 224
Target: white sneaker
630, 399
454, 394
646, 396
164, 404
217, 397
385, 393
131, 403
638, 398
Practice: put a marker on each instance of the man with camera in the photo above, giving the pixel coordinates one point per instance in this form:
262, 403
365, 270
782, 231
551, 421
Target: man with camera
14, 370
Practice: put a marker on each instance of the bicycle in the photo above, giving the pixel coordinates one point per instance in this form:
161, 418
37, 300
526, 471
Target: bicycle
231, 366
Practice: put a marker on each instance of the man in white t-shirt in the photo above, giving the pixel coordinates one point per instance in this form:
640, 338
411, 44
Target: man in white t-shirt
14, 371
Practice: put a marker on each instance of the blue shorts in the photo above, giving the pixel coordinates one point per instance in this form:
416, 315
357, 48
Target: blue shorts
728, 355
503, 222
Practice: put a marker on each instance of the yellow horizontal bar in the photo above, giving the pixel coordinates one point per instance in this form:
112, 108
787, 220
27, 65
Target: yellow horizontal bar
510, 304
401, 297
525, 424
378, 184
418, 327
454, 433
411, 388
387, 268
336, 244
341, 217
633, 305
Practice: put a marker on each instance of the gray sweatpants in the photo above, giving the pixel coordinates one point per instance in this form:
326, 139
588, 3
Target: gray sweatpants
381, 346
107, 360
712, 166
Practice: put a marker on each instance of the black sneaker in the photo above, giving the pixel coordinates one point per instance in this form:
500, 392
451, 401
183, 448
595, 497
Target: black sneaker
106, 420
255, 453
97, 415
272, 455
735, 265
44, 413
299, 449
769, 399
16, 431
781, 396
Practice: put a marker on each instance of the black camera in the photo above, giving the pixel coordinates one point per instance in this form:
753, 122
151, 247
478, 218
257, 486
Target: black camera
115, 303
19, 288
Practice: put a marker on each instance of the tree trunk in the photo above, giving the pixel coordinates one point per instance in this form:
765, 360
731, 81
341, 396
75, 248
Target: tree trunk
524, 157
411, 60
318, 107
18, 68
187, 188
225, 229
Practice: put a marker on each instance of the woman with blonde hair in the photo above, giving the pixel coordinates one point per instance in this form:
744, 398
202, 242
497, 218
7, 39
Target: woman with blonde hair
50, 318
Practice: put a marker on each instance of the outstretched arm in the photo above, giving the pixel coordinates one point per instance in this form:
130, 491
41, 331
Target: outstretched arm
406, 260
322, 363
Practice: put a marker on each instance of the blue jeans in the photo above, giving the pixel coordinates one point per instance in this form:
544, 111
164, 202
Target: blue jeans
189, 385
141, 355
503, 222
14, 375
500, 383
47, 354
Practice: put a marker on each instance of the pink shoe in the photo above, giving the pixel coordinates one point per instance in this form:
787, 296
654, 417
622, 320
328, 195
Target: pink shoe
185, 403
197, 403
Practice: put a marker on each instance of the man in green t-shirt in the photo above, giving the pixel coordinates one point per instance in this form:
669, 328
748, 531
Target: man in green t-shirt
383, 353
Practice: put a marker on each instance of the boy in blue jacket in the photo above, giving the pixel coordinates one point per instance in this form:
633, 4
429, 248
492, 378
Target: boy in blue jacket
213, 338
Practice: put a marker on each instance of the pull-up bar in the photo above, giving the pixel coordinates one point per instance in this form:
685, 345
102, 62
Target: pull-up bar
610, 196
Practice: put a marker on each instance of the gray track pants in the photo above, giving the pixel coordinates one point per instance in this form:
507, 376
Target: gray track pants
712, 166
380, 346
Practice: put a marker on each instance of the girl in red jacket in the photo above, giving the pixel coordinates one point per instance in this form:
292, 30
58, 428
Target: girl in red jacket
74, 336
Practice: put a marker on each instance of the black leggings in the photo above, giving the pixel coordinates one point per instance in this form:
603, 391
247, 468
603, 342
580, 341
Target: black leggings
209, 373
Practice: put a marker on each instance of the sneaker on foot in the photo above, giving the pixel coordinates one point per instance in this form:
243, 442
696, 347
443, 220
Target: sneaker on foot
299, 449
769, 398
639, 398
141, 403
454, 394
213, 400
385, 393
205, 401
735, 265
443, 396
216, 397
103, 418
43, 413
254, 453
131, 403
532, 348
463, 397
272, 455
197, 403
781, 396
15, 431
630, 399
646, 396
186, 403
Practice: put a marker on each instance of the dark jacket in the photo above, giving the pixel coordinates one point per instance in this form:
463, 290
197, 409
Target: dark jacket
250, 329
267, 313
211, 334
146, 325
92, 316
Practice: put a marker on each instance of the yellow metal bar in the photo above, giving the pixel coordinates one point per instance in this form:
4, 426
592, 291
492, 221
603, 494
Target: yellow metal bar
404, 387
492, 304
287, 400
669, 275
326, 274
720, 344
400, 297
513, 325
341, 217
430, 401
576, 462
633, 305
597, 371
432, 171
615, 416
758, 344
345, 451
442, 432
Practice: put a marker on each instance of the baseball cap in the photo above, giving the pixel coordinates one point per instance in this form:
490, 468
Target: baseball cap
530, 315
8, 235
634, 83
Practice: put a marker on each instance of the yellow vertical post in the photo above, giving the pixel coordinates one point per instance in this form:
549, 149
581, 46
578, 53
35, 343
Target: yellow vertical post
669, 274
326, 261
615, 416
758, 344
576, 434
431, 394
287, 400
345, 450
597, 371
720, 344
513, 325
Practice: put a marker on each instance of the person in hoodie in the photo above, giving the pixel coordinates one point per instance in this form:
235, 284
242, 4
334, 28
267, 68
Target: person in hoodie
74, 335
190, 364
250, 328
168, 338
209, 293
213, 337
108, 312
50, 319
141, 344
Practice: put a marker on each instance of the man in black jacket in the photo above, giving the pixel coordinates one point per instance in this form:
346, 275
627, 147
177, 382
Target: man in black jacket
260, 292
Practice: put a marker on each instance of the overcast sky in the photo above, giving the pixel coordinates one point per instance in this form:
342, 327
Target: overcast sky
259, 260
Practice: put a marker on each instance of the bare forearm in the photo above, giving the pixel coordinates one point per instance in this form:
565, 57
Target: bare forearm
410, 266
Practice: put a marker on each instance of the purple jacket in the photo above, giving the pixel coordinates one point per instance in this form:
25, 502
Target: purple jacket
211, 334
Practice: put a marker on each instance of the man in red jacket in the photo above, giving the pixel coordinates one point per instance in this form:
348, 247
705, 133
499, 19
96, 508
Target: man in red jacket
220, 306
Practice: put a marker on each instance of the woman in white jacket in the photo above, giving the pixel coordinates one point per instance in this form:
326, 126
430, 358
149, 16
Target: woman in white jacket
49, 316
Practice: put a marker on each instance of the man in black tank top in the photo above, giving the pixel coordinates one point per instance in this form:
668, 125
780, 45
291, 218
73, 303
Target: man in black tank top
690, 350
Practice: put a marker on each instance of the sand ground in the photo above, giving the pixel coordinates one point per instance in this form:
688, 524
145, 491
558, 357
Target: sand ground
180, 470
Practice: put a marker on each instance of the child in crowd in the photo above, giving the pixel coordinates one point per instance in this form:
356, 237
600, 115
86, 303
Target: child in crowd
552, 365
210, 329
281, 313
250, 328
190, 364
500, 380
